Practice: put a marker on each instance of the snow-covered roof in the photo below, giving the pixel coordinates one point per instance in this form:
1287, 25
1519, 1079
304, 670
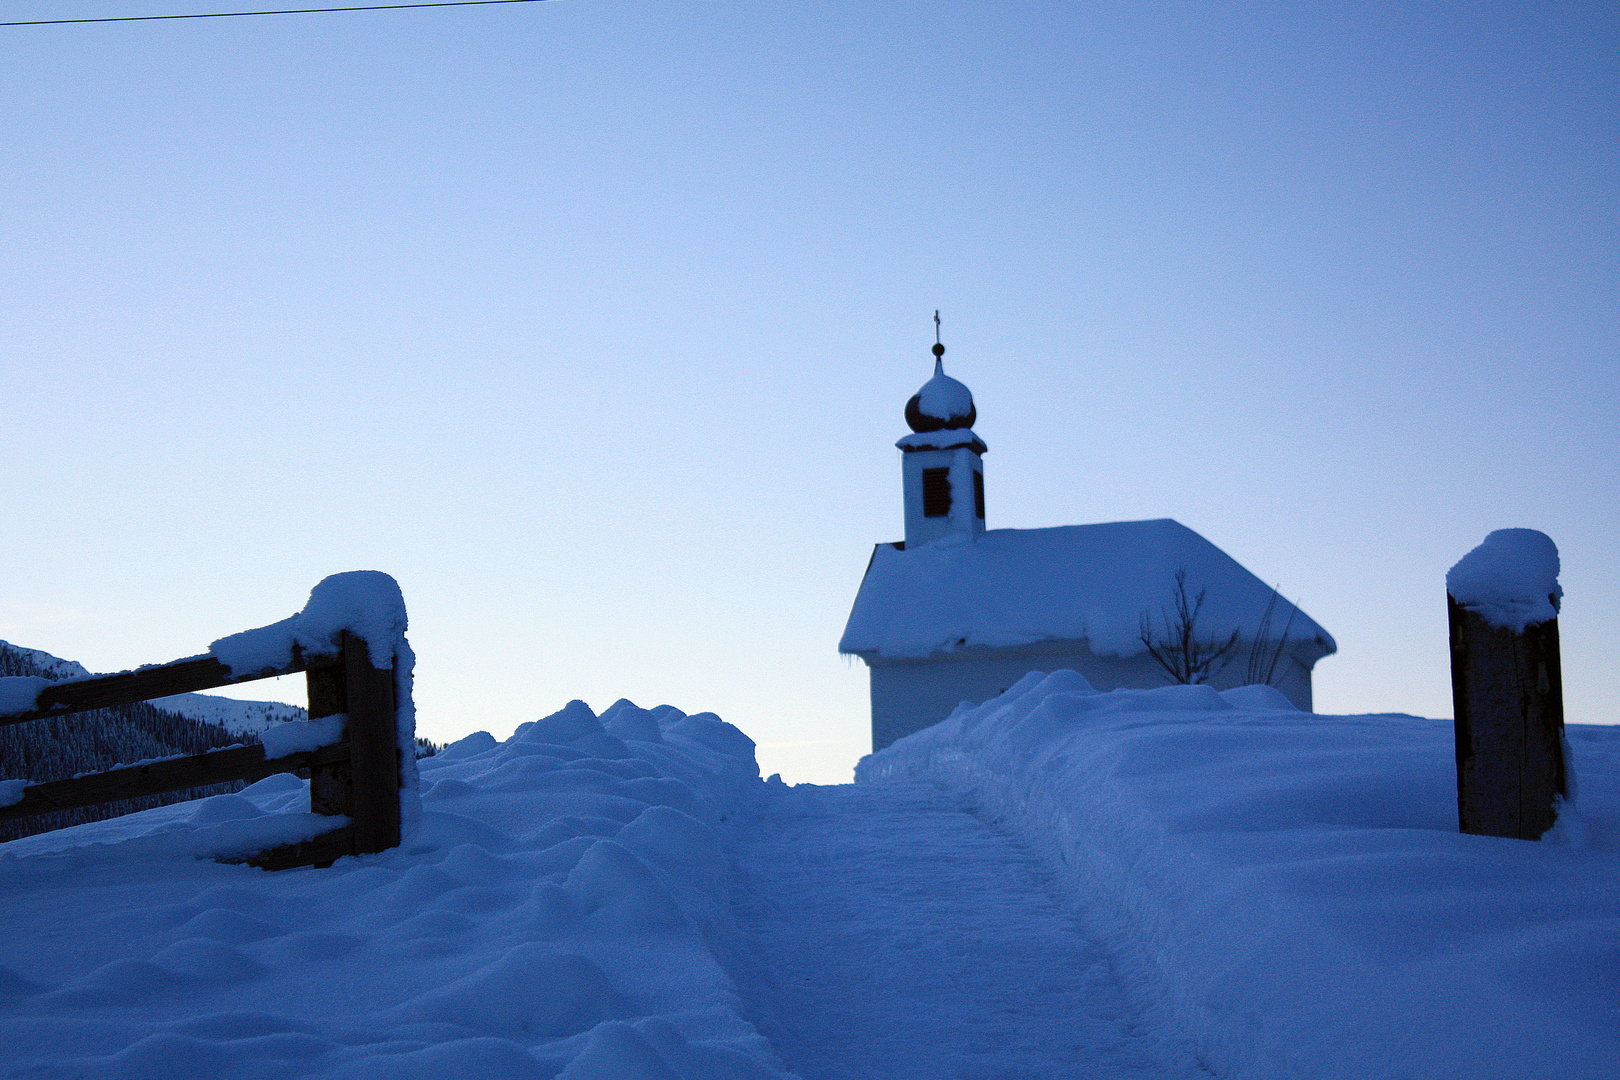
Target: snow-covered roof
1082, 583
943, 439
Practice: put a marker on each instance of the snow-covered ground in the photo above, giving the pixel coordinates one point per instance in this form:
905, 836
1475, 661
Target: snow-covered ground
552, 913
891, 934
1290, 890
1059, 883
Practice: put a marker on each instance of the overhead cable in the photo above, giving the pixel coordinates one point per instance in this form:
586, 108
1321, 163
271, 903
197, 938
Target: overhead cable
280, 11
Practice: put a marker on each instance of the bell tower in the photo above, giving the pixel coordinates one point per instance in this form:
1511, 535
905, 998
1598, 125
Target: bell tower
941, 464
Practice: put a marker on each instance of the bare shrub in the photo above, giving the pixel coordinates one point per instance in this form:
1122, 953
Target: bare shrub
1179, 651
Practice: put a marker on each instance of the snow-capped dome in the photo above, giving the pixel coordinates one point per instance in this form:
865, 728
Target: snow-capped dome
942, 402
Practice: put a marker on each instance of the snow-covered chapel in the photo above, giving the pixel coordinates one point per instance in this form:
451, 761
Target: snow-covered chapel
956, 612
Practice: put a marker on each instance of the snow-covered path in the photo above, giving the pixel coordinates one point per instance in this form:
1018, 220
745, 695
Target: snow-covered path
895, 935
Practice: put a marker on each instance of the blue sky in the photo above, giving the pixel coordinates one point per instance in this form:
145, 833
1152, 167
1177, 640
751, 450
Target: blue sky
592, 321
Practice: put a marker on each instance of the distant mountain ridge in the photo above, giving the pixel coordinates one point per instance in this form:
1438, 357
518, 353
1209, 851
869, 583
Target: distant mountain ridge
244, 717
229, 713
51, 667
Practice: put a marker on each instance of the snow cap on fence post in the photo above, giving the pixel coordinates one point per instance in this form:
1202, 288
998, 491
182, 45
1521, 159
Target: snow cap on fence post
366, 603
369, 605
1510, 581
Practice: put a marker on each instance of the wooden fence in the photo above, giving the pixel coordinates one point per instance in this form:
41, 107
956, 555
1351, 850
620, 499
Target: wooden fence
357, 777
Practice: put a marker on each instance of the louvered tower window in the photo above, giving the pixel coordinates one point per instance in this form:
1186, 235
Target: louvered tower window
936, 485
978, 493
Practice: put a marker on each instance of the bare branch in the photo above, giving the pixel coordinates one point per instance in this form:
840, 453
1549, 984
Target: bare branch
1263, 657
1178, 650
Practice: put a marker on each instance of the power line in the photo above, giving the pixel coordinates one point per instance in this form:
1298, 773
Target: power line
281, 11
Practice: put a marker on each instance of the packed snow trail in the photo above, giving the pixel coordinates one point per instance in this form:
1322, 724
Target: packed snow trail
895, 935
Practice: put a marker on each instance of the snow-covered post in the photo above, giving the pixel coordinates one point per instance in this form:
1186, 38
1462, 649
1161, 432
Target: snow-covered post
366, 786
355, 624
1506, 686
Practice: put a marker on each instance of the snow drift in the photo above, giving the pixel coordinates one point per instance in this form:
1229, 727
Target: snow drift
550, 916
1288, 891
1291, 889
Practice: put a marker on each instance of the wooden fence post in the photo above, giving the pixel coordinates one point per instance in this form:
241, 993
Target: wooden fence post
329, 784
374, 753
1508, 696
364, 785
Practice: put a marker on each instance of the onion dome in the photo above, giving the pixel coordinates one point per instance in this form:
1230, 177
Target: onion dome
942, 402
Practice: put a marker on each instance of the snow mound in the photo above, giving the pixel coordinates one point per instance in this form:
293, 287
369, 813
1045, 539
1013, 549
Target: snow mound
1511, 579
552, 914
1291, 890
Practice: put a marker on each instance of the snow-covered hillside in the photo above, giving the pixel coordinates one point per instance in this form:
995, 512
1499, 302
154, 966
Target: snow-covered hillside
231, 714
50, 666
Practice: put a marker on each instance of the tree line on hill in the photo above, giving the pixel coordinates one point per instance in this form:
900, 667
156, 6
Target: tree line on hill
95, 741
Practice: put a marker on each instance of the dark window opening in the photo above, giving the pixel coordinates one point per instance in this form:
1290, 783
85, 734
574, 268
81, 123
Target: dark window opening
936, 492
978, 493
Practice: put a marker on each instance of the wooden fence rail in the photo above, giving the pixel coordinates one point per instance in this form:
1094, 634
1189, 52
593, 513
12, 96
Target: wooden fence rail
357, 777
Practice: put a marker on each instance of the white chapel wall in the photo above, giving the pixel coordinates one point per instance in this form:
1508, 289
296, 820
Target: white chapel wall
910, 695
